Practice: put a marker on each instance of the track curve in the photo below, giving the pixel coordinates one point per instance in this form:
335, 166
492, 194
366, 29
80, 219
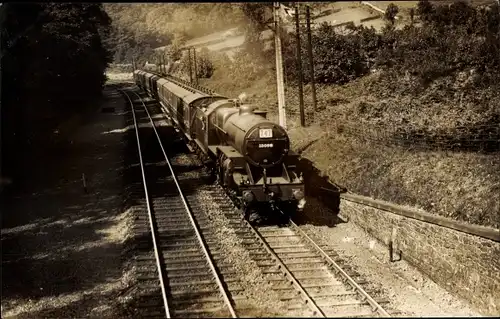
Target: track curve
171, 218
305, 274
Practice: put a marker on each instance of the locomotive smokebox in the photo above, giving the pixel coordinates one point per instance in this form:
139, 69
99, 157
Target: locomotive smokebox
262, 142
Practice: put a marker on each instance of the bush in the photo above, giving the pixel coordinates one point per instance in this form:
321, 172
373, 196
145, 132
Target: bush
338, 58
391, 12
205, 67
452, 39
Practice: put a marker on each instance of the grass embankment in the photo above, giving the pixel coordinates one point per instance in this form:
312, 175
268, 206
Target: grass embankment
461, 185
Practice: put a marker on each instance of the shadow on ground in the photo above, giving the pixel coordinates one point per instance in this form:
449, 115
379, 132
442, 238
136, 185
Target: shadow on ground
61, 246
323, 198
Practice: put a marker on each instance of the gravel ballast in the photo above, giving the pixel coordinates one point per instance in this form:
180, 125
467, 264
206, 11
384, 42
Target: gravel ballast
406, 288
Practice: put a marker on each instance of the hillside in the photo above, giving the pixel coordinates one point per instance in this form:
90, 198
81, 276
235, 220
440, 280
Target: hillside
422, 131
139, 28
409, 114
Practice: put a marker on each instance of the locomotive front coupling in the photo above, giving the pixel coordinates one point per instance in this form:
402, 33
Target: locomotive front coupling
298, 194
248, 197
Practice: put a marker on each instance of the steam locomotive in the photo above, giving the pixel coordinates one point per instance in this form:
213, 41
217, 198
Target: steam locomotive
251, 155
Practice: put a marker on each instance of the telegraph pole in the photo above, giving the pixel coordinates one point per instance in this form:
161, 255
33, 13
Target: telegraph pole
133, 63
299, 66
279, 67
195, 67
163, 63
166, 60
311, 59
190, 67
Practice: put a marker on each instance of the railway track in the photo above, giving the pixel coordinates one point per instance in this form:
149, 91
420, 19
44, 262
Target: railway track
304, 272
192, 282
195, 283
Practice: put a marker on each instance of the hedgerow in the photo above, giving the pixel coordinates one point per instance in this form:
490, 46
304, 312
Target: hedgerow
448, 40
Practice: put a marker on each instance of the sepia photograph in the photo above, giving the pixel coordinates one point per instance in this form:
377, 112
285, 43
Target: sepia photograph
336, 159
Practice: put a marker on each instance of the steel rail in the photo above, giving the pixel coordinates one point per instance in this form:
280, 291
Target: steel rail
309, 301
191, 217
150, 213
375, 305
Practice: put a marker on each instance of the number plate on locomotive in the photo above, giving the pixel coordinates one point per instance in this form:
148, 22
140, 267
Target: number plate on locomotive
268, 145
266, 132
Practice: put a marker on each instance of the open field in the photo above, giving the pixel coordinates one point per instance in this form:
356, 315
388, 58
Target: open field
336, 13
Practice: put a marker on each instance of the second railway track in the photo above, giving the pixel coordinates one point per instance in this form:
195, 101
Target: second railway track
303, 272
196, 281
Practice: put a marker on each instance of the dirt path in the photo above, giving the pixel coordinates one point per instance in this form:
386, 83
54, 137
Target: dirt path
61, 246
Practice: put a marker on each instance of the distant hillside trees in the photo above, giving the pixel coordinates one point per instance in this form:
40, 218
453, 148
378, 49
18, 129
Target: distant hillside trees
127, 45
450, 39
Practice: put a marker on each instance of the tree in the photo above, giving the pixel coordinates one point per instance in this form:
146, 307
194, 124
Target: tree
52, 45
258, 16
425, 10
53, 60
391, 12
205, 67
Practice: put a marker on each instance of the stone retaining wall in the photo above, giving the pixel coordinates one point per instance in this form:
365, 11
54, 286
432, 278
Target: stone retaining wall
466, 265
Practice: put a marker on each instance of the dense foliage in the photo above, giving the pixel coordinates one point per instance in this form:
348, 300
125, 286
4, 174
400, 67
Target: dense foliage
448, 40
131, 37
204, 65
258, 15
53, 60
50, 47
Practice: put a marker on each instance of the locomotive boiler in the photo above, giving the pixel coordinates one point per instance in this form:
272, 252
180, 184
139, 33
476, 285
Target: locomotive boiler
250, 155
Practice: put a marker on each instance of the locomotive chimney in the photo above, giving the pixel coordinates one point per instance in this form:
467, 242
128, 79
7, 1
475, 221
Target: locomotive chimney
246, 109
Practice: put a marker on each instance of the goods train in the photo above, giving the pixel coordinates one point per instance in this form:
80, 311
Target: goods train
251, 155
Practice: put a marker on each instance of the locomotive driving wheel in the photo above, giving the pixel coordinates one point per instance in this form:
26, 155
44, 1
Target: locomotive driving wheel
225, 169
251, 214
